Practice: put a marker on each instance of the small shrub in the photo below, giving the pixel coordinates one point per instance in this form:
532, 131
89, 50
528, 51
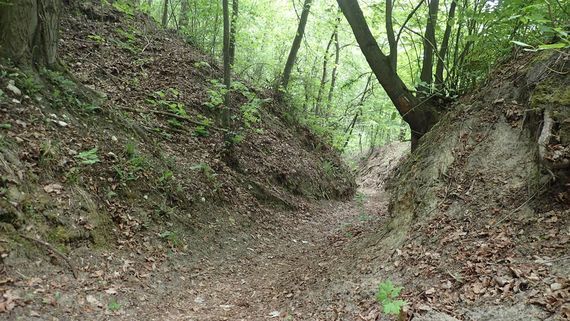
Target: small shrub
387, 296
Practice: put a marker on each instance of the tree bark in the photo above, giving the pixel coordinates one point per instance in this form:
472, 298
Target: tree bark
29, 32
391, 37
444, 47
227, 65
426, 75
184, 12
233, 31
418, 115
335, 69
165, 14
318, 104
296, 44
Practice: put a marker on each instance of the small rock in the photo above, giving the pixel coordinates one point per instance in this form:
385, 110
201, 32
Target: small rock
114, 138
53, 188
12, 87
555, 286
61, 123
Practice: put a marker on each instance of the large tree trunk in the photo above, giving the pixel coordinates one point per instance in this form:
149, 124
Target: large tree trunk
296, 44
417, 114
29, 32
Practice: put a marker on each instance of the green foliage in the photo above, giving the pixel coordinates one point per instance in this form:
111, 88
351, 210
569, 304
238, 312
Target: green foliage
113, 305
127, 40
96, 38
201, 65
49, 152
481, 33
166, 176
328, 168
171, 237
387, 296
168, 100
216, 94
29, 84
64, 92
132, 166
88, 157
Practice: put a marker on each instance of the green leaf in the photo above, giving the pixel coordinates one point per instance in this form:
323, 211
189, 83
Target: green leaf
558, 45
394, 307
522, 44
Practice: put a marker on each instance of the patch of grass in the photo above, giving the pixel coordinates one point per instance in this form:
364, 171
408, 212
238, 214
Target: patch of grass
113, 305
29, 84
206, 170
73, 175
96, 38
49, 153
328, 168
171, 237
131, 168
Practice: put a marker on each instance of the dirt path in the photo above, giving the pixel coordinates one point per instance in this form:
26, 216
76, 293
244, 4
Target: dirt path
279, 278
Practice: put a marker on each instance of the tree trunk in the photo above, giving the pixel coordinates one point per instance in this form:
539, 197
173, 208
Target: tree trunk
165, 14
391, 37
444, 47
296, 44
233, 31
335, 69
227, 66
184, 12
426, 75
418, 115
318, 104
29, 32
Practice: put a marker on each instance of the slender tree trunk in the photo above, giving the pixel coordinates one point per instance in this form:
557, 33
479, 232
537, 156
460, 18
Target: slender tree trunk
429, 48
335, 69
296, 44
227, 65
420, 116
235, 15
444, 47
215, 32
350, 127
391, 37
184, 12
165, 14
318, 107
29, 32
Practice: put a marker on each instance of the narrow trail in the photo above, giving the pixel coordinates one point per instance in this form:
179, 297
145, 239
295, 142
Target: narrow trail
280, 277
